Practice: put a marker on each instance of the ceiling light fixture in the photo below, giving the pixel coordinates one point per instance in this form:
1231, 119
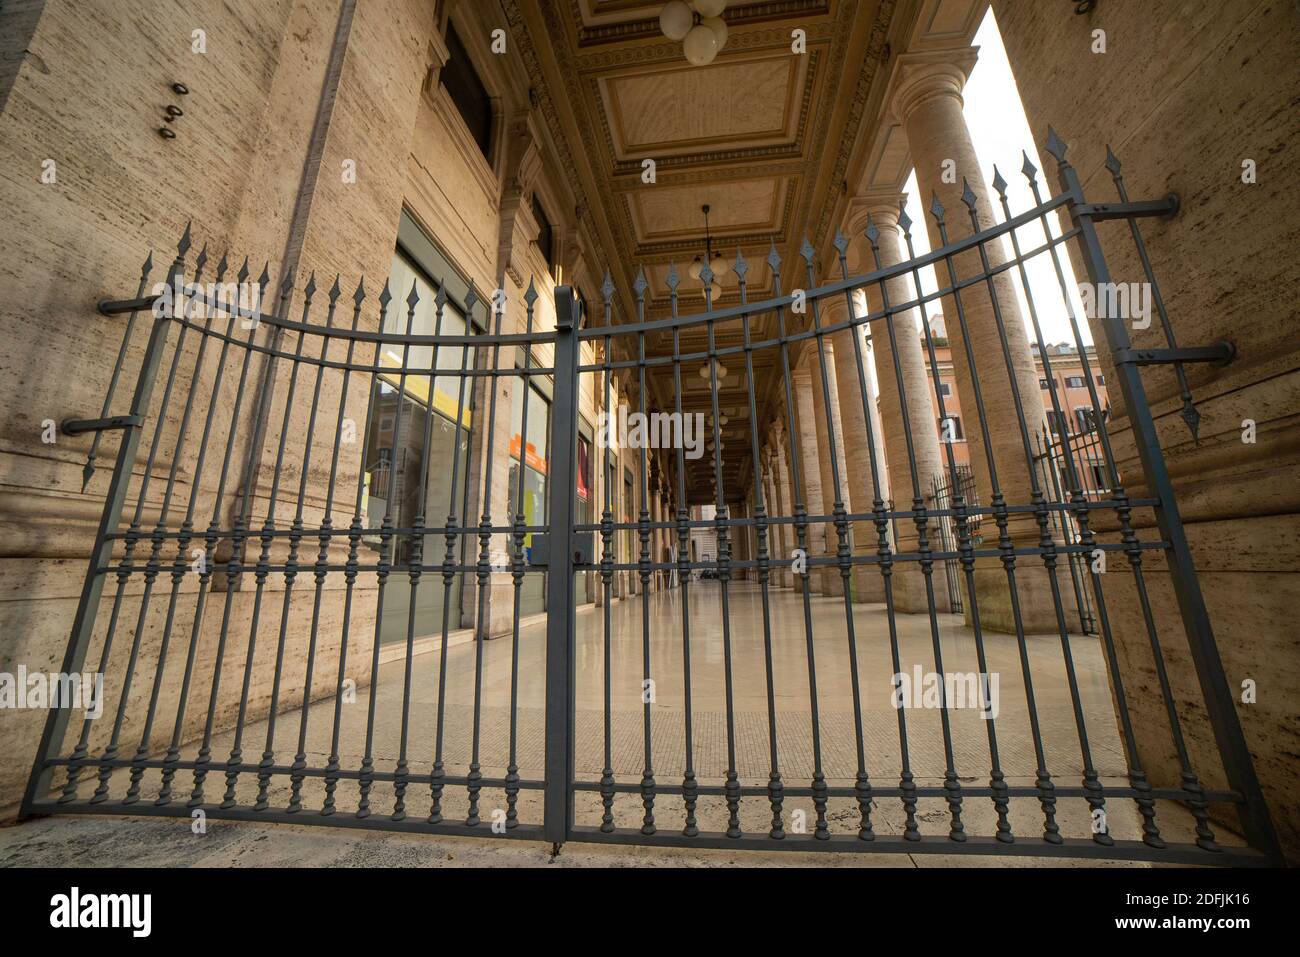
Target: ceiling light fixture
699, 25
717, 265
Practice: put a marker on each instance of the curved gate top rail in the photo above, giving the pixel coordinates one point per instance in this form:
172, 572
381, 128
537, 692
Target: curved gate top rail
291, 604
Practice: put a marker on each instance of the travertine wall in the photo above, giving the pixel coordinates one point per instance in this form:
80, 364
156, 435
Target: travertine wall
285, 95
1185, 92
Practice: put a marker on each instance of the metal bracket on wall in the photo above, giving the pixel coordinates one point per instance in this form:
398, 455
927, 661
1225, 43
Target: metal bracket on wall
81, 426
1219, 354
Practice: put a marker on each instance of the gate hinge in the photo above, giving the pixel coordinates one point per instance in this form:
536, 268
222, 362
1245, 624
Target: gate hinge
584, 549
79, 426
1221, 353
1166, 208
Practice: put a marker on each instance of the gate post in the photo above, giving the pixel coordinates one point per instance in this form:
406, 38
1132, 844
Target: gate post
1256, 823
83, 624
558, 803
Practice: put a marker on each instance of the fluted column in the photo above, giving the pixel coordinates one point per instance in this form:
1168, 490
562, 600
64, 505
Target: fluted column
806, 428
908, 416
927, 100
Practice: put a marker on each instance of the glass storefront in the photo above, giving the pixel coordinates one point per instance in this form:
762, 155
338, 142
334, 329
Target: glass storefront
411, 446
535, 452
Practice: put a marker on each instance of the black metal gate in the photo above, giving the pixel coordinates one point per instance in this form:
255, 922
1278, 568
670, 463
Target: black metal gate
237, 588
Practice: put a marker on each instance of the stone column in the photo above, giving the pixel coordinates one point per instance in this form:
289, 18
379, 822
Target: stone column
785, 488
832, 583
928, 102
908, 414
856, 466
806, 428
772, 499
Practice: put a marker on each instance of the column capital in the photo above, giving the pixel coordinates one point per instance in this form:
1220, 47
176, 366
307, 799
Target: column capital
921, 77
882, 206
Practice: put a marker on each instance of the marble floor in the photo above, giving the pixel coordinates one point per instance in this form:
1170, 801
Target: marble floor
809, 647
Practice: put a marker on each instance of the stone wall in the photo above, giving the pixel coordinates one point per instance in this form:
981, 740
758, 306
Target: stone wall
1185, 92
287, 96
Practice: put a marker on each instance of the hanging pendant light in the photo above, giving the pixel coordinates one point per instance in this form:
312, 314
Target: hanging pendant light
698, 25
717, 265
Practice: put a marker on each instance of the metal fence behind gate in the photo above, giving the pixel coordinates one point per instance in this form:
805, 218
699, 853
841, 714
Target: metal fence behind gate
236, 593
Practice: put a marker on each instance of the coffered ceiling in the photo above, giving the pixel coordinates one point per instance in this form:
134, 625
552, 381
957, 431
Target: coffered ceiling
763, 135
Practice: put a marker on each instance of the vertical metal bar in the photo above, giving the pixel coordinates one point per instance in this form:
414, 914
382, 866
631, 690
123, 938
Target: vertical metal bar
1237, 765
558, 799
775, 789
732, 786
83, 624
386, 536
452, 534
354, 543
517, 566
234, 564
690, 787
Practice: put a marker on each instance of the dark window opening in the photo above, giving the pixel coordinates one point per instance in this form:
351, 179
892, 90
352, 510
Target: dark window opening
468, 92
545, 234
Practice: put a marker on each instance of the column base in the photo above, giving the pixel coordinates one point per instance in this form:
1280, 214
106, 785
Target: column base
1038, 608
909, 589
868, 585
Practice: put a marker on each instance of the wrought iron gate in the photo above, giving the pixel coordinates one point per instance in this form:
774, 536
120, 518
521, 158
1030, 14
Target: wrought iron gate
691, 713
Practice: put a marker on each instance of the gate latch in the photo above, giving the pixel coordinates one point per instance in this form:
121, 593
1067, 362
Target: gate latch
584, 549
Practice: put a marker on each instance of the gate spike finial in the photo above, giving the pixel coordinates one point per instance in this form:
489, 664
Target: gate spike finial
359, 296
872, 232
967, 194
309, 290
148, 266
904, 220
806, 250
774, 258
530, 294
385, 297
740, 268
335, 290
706, 275
1112, 163
413, 297
607, 287
841, 243
999, 183
672, 280
936, 207
1192, 417
471, 298
1056, 146
440, 297
1029, 170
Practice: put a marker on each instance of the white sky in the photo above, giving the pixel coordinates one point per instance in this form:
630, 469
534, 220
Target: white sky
1000, 131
